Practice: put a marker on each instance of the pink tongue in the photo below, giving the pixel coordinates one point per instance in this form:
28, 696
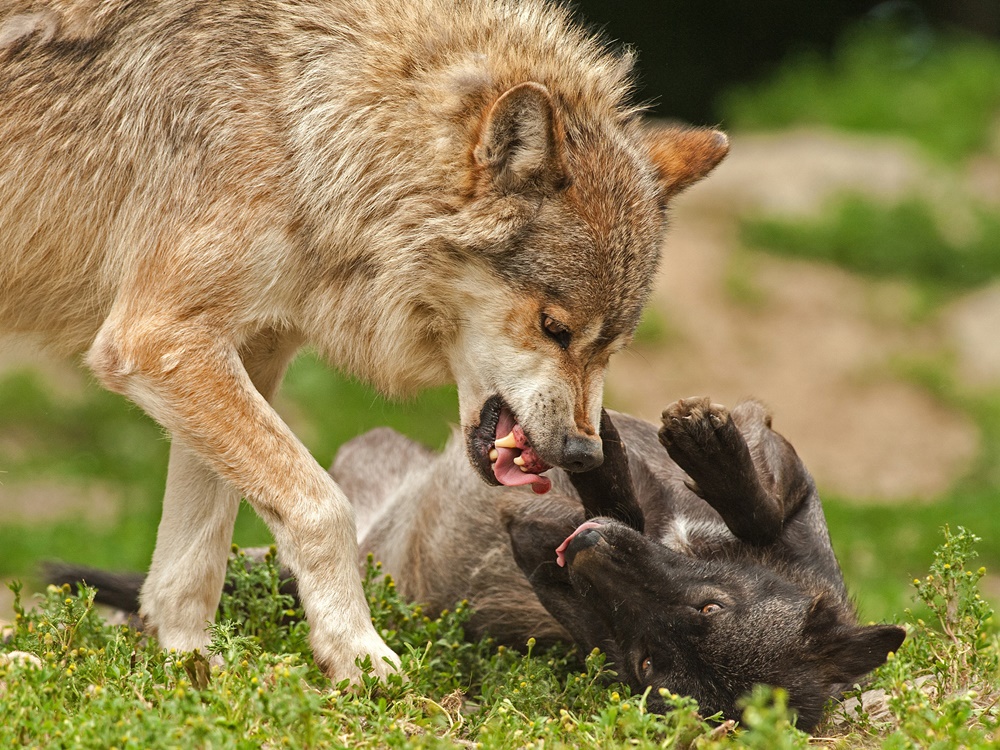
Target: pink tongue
561, 549
505, 470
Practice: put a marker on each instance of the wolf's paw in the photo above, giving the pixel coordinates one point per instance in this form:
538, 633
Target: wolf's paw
340, 661
697, 431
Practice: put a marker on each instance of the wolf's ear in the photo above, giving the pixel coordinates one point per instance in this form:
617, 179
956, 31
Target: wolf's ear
849, 652
857, 652
520, 143
536, 527
684, 155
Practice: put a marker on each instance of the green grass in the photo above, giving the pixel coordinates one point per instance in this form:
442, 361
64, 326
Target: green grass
901, 241
936, 89
945, 98
69, 680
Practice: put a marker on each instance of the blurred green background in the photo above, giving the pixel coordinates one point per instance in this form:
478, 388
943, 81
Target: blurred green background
692, 53
82, 471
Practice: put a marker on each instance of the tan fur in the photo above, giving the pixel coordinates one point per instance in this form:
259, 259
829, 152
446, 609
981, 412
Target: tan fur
190, 191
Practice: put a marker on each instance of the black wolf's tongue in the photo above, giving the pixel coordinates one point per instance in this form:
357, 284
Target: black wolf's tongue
506, 471
561, 549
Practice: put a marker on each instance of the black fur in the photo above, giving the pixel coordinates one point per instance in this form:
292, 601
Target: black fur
734, 581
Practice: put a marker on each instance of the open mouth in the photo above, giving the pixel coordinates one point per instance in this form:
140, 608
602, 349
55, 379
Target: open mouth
502, 451
582, 537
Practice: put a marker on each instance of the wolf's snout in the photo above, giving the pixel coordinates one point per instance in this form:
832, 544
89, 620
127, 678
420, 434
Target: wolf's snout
581, 453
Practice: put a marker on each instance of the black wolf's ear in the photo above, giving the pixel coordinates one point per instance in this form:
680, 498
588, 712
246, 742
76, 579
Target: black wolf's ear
520, 142
684, 155
849, 652
536, 527
857, 652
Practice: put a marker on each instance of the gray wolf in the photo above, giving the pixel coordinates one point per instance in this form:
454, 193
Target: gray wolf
697, 559
424, 191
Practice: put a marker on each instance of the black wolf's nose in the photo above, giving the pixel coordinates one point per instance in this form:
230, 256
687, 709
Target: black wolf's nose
581, 541
582, 453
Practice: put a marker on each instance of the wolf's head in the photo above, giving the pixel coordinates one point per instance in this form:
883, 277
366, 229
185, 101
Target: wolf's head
559, 243
712, 629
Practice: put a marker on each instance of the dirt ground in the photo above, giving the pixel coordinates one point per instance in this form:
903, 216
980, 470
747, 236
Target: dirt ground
812, 342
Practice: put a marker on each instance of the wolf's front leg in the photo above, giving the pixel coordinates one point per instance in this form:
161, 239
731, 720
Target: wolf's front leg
737, 464
181, 593
193, 381
608, 489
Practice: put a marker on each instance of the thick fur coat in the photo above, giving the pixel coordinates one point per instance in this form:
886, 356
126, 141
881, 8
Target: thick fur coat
425, 191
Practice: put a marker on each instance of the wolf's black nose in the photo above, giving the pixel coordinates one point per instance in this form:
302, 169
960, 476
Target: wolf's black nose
582, 453
580, 542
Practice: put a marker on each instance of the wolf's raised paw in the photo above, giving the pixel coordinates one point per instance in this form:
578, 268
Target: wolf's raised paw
697, 429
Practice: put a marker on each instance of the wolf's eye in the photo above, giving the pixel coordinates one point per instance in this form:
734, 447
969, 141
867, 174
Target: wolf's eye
709, 607
556, 331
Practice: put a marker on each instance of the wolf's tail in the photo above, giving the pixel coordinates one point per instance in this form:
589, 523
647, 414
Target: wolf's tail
118, 590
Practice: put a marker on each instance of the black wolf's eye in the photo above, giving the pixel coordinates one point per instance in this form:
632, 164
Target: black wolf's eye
556, 331
709, 607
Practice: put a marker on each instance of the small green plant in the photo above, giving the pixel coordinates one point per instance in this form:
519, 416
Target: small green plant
958, 643
942, 687
769, 722
256, 607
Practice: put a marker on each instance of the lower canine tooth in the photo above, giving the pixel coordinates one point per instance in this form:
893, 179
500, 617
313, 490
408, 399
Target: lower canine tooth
493, 454
507, 441
518, 460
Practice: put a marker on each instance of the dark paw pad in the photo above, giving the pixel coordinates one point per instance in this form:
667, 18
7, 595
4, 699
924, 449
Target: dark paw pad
698, 429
